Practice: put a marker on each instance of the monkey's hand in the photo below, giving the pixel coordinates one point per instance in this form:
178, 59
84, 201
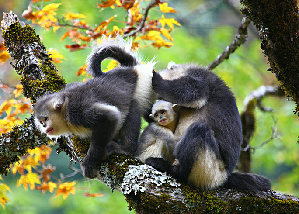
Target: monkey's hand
89, 167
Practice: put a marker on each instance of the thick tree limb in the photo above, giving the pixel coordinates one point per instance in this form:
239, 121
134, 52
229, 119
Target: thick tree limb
278, 24
150, 191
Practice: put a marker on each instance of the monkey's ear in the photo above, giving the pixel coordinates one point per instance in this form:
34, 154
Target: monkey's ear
175, 107
151, 116
57, 104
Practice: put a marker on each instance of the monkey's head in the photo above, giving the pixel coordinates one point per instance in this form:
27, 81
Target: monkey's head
164, 112
49, 112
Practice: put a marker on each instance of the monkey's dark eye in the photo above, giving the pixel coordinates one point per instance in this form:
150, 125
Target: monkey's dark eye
162, 111
155, 115
43, 119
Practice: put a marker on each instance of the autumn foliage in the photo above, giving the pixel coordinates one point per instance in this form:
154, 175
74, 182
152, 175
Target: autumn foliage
34, 172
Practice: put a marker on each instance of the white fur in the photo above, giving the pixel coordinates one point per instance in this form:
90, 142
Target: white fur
207, 172
144, 93
113, 111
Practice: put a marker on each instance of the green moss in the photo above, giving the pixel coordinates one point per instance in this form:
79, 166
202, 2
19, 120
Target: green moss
38, 75
15, 144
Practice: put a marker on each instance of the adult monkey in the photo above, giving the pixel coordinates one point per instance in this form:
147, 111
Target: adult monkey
209, 127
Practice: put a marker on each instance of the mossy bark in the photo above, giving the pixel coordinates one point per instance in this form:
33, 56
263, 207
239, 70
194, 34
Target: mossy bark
278, 24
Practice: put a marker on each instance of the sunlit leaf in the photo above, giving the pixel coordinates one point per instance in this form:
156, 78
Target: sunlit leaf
166, 9
55, 55
82, 70
4, 56
107, 3
71, 16
50, 186
93, 195
65, 189
105, 23
18, 91
165, 33
28, 179
170, 22
3, 191
76, 47
112, 64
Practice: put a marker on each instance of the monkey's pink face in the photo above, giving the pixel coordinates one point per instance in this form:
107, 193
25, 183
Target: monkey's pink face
53, 126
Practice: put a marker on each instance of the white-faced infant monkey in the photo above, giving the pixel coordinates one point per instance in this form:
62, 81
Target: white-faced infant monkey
106, 108
209, 128
158, 139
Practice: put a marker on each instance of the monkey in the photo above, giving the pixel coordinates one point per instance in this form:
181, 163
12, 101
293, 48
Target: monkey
158, 140
106, 108
209, 128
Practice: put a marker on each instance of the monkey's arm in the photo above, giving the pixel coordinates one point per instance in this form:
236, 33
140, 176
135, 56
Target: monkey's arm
188, 91
103, 121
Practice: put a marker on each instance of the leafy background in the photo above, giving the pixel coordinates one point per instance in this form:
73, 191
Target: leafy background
201, 38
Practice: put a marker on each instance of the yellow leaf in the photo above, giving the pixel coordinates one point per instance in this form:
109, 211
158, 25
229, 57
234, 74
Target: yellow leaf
3, 190
71, 16
112, 64
105, 23
18, 91
29, 179
65, 189
50, 8
4, 56
165, 33
55, 55
165, 9
170, 22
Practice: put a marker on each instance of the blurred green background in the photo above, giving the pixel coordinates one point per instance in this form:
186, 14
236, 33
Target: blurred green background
207, 28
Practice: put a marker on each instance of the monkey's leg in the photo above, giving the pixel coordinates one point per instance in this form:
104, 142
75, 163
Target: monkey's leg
129, 132
200, 163
103, 123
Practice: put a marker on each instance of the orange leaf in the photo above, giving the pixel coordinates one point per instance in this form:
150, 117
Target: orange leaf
82, 70
65, 189
71, 16
105, 23
87, 194
107, 3
75, 47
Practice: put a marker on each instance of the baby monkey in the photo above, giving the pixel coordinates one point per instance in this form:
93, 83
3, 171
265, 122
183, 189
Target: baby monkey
158, 140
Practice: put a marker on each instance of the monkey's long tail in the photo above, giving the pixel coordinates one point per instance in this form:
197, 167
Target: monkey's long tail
117, 49
247, 181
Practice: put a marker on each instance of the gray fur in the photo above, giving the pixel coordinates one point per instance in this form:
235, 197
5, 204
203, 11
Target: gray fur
209, 128
106, 108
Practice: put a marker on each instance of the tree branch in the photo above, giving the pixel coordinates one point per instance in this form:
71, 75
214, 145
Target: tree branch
150, 191
253, 100
139, 28
240, 39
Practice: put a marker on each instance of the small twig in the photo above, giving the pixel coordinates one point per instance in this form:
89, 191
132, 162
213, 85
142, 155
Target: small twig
151, 4
240, 39
274, 135
75, 172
